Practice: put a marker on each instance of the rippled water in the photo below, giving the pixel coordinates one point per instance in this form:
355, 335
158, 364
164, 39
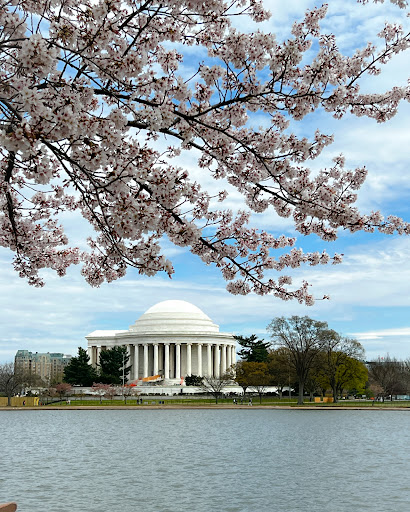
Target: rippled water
205, 460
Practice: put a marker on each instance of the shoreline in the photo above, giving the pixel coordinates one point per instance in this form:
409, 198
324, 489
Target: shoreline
205, 406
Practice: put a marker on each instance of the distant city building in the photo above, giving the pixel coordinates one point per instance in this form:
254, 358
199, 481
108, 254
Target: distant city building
48, 366
171, 340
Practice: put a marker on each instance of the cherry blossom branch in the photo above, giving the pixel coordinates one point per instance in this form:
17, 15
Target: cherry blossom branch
88, 87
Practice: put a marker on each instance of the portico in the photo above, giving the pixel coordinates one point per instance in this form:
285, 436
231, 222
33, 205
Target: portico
173, 339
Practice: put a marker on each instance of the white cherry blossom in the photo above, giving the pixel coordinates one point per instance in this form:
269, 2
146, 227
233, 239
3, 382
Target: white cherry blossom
88, 86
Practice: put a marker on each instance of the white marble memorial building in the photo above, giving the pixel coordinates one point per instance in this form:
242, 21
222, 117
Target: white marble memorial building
172, 339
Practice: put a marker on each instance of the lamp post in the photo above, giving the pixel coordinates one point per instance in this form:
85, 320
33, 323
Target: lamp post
290, 392
123, 374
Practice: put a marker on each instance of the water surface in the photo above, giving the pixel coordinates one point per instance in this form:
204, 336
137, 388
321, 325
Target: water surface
205, 460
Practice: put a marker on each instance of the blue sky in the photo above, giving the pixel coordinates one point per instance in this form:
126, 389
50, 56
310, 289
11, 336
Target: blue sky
369, 292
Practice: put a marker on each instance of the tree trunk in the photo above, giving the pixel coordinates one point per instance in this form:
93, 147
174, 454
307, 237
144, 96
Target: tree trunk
300, 397
334, 389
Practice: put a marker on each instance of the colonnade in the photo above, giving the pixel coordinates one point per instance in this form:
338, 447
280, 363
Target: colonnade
175, 360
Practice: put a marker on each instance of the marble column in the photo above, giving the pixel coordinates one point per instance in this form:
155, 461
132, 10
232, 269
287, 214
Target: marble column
145, 360
233, 348
189, 359
155, 359
136, 361
200, 360
97, 355
216, 361
177, 360
228, 356
91, 354
223, 362
209, 367
166, 364
128, 354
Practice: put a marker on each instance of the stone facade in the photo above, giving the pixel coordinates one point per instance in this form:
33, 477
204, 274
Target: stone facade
172, 340
48, 365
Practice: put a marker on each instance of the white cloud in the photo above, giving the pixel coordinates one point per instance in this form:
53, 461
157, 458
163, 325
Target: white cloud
395, 342
374, 275
375, 335
57, 317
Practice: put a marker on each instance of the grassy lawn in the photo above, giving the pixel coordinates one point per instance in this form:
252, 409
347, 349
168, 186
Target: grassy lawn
170, 401
266, 401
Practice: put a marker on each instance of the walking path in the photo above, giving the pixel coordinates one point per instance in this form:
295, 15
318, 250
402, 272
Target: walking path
208, 406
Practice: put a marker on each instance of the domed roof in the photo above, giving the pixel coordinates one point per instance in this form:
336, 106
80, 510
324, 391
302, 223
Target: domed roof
174, 316
175, 306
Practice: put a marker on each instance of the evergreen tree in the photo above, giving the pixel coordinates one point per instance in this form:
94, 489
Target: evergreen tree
79, 371
113, 365
193, 380
253, 350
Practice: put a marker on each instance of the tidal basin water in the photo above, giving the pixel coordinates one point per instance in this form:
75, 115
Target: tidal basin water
205, 460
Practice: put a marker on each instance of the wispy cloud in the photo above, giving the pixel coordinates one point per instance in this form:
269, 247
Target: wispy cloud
369, 292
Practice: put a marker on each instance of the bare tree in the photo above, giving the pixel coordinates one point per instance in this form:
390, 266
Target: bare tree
63, 389
31, 380
305, 339
389, 374
215, 385
110, 392
406, 370
128, 391
102, 389
11, 381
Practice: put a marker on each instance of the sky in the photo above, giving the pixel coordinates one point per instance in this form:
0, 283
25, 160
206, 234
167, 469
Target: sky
369, 291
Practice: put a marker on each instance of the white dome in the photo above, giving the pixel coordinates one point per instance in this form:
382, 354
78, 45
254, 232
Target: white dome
174, 316
175, 306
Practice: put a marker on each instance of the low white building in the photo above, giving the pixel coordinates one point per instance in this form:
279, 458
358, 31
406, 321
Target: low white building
172, 340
